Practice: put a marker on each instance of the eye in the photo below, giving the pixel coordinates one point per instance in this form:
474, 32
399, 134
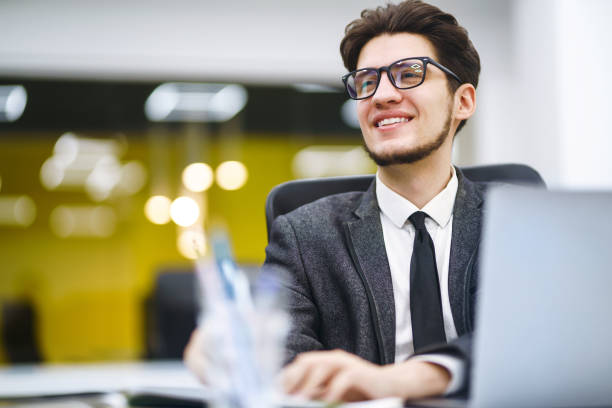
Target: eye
367, 83
408, 74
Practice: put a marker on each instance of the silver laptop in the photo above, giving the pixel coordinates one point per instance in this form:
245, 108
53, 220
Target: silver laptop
544, 323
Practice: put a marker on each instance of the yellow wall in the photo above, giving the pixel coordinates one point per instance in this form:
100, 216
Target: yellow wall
88, 293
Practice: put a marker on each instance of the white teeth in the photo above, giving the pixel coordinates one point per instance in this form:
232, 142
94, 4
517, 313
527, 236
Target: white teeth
389, 121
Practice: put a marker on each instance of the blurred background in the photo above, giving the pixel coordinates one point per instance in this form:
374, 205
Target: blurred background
127, 128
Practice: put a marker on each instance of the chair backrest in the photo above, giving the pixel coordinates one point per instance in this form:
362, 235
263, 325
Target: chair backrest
170, 313
18, 334
290, 195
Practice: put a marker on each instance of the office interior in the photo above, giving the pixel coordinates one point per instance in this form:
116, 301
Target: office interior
113, 113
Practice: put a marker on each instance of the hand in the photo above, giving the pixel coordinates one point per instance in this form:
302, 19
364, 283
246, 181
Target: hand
336, 376
193, 356
209, 355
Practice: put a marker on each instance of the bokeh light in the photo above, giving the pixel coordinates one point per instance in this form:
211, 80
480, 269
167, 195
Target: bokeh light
329, 160
184, 211
133, 177
66, 149
62, 222
83, 221
191, 244
17, 211
13, 100
25, 211
198, 177
51, 173
195, 102
231, 175
157, 209
105, 175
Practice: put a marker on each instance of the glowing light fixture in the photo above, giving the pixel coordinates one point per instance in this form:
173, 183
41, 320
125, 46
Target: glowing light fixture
105, 175
157, 209
326, 161
184, 211
315, 88
195, 102
52, 173
231, 175
133, 177
17, 211
191, 244
13, 100
198, 177
92, 165
66, 149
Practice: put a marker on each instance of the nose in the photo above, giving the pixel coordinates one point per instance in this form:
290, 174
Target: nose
386, 92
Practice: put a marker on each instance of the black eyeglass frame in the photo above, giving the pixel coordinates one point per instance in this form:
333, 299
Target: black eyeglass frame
425, 60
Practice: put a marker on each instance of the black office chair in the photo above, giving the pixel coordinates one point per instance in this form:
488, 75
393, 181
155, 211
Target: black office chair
170, 313
18, 321
290, 195
171, 310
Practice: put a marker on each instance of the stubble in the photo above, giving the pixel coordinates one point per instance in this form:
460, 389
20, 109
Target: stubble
413, 155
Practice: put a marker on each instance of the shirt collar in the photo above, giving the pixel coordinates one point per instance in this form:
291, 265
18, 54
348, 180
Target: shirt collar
398, 209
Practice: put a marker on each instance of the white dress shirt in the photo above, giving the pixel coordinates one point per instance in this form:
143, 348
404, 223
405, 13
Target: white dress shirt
398, 233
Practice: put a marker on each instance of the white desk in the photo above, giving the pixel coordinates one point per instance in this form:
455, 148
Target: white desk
109, 385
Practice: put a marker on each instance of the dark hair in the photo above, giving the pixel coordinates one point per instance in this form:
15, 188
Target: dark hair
453, 47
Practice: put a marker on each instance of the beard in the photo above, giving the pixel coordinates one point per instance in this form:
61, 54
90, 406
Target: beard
410, 155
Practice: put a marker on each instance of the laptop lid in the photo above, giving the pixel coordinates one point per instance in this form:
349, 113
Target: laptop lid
544, 322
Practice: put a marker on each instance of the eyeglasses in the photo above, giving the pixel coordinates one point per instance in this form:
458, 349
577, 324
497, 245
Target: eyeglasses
404, 74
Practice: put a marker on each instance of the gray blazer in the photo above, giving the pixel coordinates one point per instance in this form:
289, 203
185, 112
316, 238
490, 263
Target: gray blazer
339, 289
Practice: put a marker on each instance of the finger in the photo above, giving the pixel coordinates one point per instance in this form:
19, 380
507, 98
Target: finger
338, 387
295, 374
356, 383
193, 357
306, 365
320, 364
315, 394
315, 383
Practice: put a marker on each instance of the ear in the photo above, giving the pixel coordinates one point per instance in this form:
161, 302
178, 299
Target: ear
465, 102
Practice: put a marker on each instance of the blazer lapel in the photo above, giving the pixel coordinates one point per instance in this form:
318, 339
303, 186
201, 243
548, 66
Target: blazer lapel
367, 248
464, 245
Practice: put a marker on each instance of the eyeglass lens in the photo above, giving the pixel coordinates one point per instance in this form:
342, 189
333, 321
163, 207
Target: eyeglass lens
405, 74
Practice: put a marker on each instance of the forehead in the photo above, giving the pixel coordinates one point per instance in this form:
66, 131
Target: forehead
387, 48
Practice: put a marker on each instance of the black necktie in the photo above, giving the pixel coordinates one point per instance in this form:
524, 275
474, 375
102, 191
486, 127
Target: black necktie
425, 303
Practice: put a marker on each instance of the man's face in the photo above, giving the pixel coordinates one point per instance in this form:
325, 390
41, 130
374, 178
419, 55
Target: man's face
417, 119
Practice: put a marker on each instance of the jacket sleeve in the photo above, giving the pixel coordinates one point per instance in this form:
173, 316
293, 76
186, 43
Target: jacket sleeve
461, 348
283, 257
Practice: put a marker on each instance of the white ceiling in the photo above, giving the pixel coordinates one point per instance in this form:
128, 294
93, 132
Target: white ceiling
252, 41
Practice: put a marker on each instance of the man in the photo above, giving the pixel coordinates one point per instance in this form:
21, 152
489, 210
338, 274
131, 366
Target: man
351, 256
376, 276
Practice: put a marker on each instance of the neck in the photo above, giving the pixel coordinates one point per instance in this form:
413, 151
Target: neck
418, 182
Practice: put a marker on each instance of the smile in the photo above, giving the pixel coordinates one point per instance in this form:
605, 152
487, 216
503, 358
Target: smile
391, 121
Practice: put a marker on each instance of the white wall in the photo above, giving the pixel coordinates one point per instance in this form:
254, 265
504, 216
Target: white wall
584, 61
550, 107
517, 105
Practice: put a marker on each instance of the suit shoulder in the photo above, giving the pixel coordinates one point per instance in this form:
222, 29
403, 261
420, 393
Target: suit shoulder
333, 207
